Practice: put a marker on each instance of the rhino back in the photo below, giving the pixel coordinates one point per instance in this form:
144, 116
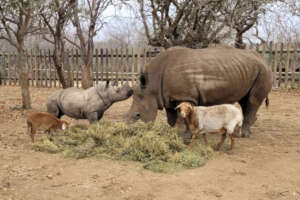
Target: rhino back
207, 76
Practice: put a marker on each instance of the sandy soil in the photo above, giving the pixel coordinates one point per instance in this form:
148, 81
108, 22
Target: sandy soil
264, 166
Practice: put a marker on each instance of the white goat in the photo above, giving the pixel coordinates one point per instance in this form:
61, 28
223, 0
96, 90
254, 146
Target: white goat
221, 119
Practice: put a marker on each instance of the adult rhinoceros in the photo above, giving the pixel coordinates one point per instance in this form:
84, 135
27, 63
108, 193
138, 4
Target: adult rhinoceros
203, 77
86, 104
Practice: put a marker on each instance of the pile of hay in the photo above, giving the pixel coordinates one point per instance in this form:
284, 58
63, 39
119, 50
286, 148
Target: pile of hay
156, 145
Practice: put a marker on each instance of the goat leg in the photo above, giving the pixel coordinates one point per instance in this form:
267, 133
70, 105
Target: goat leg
193, 137
232, 142
221, 142
205, 139
33, 130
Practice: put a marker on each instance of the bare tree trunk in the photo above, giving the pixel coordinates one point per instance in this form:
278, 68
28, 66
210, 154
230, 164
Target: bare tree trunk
70, 79
239, 43
87, 80
60, 72
24, 80
61, 76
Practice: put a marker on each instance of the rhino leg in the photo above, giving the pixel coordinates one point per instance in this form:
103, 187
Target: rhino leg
54, 109
100, 114
250, 105
172, 116
92, 117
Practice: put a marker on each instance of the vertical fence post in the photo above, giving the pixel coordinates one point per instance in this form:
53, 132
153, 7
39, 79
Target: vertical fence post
28, 55
51, 70
127, 65
37, 68
263, 54
28, 66
257, 48
72, 67
117, 66
270, 60
4, 68
106, 64
280, 65
275, 65
46, 68
138, 58
144, 58
294, 65
77, 68
15, 66
132, 66
97, 66
101, 63
8, 67
121, 67
55, 75
287, 64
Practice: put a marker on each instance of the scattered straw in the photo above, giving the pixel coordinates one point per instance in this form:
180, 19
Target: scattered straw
156, 145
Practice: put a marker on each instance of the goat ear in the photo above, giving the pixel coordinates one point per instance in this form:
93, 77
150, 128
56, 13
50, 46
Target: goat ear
190, 108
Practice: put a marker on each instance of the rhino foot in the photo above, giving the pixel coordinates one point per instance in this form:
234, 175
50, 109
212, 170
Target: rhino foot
246, 133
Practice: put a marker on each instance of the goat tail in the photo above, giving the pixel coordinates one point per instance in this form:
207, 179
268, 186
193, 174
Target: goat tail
267, 102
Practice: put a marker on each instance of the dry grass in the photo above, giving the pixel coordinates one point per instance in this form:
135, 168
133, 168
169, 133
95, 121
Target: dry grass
156, 145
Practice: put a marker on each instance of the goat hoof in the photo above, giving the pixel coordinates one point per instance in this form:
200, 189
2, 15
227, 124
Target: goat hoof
187, 136
230, 152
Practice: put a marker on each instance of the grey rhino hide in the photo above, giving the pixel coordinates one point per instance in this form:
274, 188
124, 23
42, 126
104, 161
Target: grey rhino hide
86, 104
202, 77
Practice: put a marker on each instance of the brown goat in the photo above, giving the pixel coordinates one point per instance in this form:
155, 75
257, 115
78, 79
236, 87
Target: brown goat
44, 120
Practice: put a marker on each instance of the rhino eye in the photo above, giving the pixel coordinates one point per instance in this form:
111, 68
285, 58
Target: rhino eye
138, 115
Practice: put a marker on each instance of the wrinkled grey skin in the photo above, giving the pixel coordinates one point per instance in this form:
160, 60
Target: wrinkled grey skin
86, 104
203, 77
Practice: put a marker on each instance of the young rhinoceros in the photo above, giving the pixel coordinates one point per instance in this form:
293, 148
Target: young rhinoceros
86, 104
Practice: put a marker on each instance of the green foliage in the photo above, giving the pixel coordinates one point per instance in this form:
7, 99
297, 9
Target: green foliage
156, 145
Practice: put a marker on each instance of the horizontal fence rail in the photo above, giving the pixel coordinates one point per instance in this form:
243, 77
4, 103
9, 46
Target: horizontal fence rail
124, 65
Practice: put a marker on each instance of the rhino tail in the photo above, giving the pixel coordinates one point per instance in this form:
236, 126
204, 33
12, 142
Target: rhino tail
267, 102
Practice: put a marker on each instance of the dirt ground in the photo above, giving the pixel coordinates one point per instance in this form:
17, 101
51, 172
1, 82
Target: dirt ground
264, 166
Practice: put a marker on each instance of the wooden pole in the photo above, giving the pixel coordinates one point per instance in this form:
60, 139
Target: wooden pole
294, 60
97, 66
287, 64
77, 68
280, 65
275, 65
132, 67
101, 63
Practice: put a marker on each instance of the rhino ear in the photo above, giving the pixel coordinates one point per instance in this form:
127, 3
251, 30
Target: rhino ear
143, 81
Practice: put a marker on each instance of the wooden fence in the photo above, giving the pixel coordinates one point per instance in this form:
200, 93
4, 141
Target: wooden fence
123, 65
284, 61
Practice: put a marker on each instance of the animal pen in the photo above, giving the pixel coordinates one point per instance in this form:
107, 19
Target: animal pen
124, 65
